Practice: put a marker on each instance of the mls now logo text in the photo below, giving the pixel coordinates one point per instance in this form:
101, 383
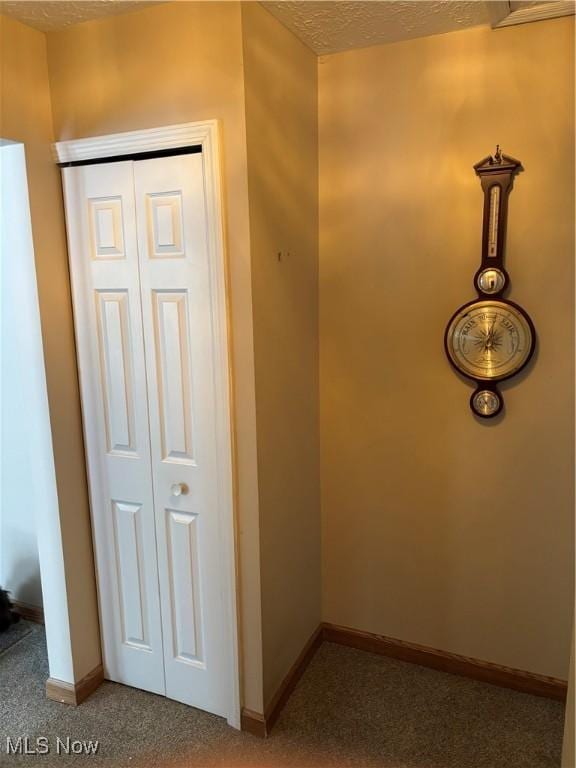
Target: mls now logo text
24, 745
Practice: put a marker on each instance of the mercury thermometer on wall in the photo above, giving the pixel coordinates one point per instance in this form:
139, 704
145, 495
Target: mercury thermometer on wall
493, 220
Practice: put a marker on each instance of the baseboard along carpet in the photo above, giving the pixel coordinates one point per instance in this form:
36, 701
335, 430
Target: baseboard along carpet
455, 664
349, 708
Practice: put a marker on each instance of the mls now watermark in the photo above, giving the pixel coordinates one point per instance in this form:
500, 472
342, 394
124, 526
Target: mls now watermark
42, 745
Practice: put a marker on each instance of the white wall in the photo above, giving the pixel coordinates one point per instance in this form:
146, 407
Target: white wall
30, 538
19, 564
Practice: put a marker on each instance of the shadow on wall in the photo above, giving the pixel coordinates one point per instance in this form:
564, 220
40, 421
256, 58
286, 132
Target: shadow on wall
22, 580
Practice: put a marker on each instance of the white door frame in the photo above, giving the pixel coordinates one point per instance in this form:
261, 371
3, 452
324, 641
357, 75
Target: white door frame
206, 135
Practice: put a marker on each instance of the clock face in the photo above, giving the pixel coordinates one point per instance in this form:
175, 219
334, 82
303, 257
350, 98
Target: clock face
486, 403
489, 340
491, 280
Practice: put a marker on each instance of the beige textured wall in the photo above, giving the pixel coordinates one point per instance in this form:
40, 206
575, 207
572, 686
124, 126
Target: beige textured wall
281, 123
26, 116
175, 63
438, 529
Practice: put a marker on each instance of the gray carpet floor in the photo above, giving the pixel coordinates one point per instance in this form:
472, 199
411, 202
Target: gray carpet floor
350, 709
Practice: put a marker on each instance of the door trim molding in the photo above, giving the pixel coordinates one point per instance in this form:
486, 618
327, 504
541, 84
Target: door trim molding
166, 137
206, 135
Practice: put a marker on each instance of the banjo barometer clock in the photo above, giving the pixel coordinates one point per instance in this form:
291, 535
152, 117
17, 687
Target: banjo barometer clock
491, 339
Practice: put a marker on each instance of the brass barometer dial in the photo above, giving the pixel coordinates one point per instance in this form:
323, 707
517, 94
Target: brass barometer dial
491, 339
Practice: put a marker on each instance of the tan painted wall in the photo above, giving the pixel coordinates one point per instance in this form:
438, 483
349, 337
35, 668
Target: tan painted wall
26, 116
438, 529
281, 124
175, 63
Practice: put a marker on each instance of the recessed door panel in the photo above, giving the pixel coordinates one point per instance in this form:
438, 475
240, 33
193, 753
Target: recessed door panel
106, 223
183, 564
172, 353
116, 370
164, 225
131, 578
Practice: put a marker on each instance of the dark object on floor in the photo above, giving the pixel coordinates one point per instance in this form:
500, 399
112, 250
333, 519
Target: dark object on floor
7, 614
12, 636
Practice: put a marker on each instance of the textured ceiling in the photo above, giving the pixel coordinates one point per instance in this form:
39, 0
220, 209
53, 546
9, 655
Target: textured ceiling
327, 27
57, 14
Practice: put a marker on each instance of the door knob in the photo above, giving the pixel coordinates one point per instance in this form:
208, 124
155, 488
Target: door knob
178, 489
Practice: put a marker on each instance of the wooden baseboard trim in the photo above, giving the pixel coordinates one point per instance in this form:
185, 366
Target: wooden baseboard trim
506, 677
29, 612
290, 682
261, 725
69, 693
253, 722
487, 672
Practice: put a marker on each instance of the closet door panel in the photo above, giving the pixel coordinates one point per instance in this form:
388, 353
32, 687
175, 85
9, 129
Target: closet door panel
108, 319
176, 305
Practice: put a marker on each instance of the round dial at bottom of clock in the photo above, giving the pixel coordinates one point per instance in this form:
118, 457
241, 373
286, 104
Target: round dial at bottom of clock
486, 403
489, 340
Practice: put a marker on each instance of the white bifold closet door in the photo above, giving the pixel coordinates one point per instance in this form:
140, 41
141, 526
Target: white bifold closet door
141, 286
